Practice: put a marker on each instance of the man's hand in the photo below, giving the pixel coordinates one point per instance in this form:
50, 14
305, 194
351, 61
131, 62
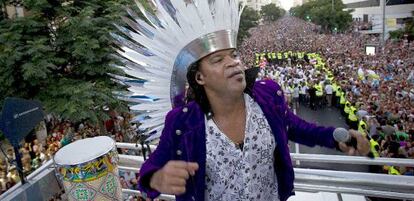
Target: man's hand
363, 146
172, 178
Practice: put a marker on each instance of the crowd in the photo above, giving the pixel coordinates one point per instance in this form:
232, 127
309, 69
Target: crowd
53, 133
377, 89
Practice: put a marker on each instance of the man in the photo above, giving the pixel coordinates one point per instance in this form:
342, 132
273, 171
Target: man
329, 92
303, 96
227, 140
295, 94
230, 142
312, 97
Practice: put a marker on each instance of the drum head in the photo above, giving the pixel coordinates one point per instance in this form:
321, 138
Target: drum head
85, 150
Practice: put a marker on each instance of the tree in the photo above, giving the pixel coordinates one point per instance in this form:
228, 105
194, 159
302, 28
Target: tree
3, 14
406, 31
320, 12
271, 12
249, 18
60, 54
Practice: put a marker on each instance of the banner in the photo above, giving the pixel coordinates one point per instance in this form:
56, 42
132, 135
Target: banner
391, 23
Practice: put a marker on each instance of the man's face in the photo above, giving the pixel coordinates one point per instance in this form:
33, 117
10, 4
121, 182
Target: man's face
222, 73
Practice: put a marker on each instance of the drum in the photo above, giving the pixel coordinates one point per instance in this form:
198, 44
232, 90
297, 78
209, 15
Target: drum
88, 170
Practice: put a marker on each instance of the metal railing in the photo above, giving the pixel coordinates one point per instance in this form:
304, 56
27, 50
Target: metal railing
353, 160
319, 158
367, 184
307, 180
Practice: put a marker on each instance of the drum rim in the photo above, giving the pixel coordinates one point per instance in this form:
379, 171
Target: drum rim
110, 148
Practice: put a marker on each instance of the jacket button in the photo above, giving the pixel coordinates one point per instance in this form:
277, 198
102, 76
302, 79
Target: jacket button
262, 82
178, 132
179, 152
185, 109
279, 93
192, 198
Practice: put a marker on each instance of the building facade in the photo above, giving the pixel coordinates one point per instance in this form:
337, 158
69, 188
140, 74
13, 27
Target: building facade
257, 4
297, 3
371, 11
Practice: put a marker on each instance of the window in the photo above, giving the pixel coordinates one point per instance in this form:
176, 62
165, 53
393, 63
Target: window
365, 18
399, 2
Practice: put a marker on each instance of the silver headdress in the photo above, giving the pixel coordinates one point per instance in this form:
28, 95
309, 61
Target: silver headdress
159, 52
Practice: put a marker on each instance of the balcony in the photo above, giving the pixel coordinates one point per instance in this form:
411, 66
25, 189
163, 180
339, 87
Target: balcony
43, 183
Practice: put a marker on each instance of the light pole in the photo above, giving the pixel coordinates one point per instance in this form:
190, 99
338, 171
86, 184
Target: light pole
384, 5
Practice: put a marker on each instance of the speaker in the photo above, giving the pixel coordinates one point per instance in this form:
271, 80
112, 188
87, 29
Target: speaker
19, 117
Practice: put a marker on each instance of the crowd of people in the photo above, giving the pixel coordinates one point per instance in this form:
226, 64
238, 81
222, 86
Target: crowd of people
53, 133
378, 87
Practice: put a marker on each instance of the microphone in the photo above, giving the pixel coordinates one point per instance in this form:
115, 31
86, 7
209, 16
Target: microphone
342, 135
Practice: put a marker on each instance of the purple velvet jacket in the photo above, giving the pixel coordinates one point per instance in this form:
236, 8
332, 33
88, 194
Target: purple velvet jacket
184, 138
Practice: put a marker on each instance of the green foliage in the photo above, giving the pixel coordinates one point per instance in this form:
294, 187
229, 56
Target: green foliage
271, 12
2, 10
60, 54
26, 56
249, 18
408, 30
397, 34
322, 13
79, 100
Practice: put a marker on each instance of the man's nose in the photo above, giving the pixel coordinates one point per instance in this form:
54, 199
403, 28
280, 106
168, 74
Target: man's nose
232, 62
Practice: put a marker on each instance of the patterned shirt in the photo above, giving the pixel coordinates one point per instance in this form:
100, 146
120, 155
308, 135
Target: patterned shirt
242, 174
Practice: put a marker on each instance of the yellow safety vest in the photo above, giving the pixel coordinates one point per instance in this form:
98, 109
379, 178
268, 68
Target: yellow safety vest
361, 77
279, 56
330, 77
319, 91
273, 55
351, 115
263, 55
335, 87
257, 56
347, 107
338, 91
372, 144
286, 55
393, 171
290, 89
362, 126
342, 100
322, 63
269, 55
300, 55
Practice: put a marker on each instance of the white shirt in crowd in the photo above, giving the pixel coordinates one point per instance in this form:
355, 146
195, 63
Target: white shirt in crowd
328, 89
296, 92
304, 90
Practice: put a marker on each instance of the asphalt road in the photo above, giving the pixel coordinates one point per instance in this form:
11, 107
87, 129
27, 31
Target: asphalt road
326, 117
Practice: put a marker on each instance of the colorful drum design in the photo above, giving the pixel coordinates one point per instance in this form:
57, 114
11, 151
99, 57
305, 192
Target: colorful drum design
88, 169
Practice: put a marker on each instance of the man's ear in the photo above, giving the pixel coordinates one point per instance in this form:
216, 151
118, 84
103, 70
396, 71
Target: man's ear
199, 78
